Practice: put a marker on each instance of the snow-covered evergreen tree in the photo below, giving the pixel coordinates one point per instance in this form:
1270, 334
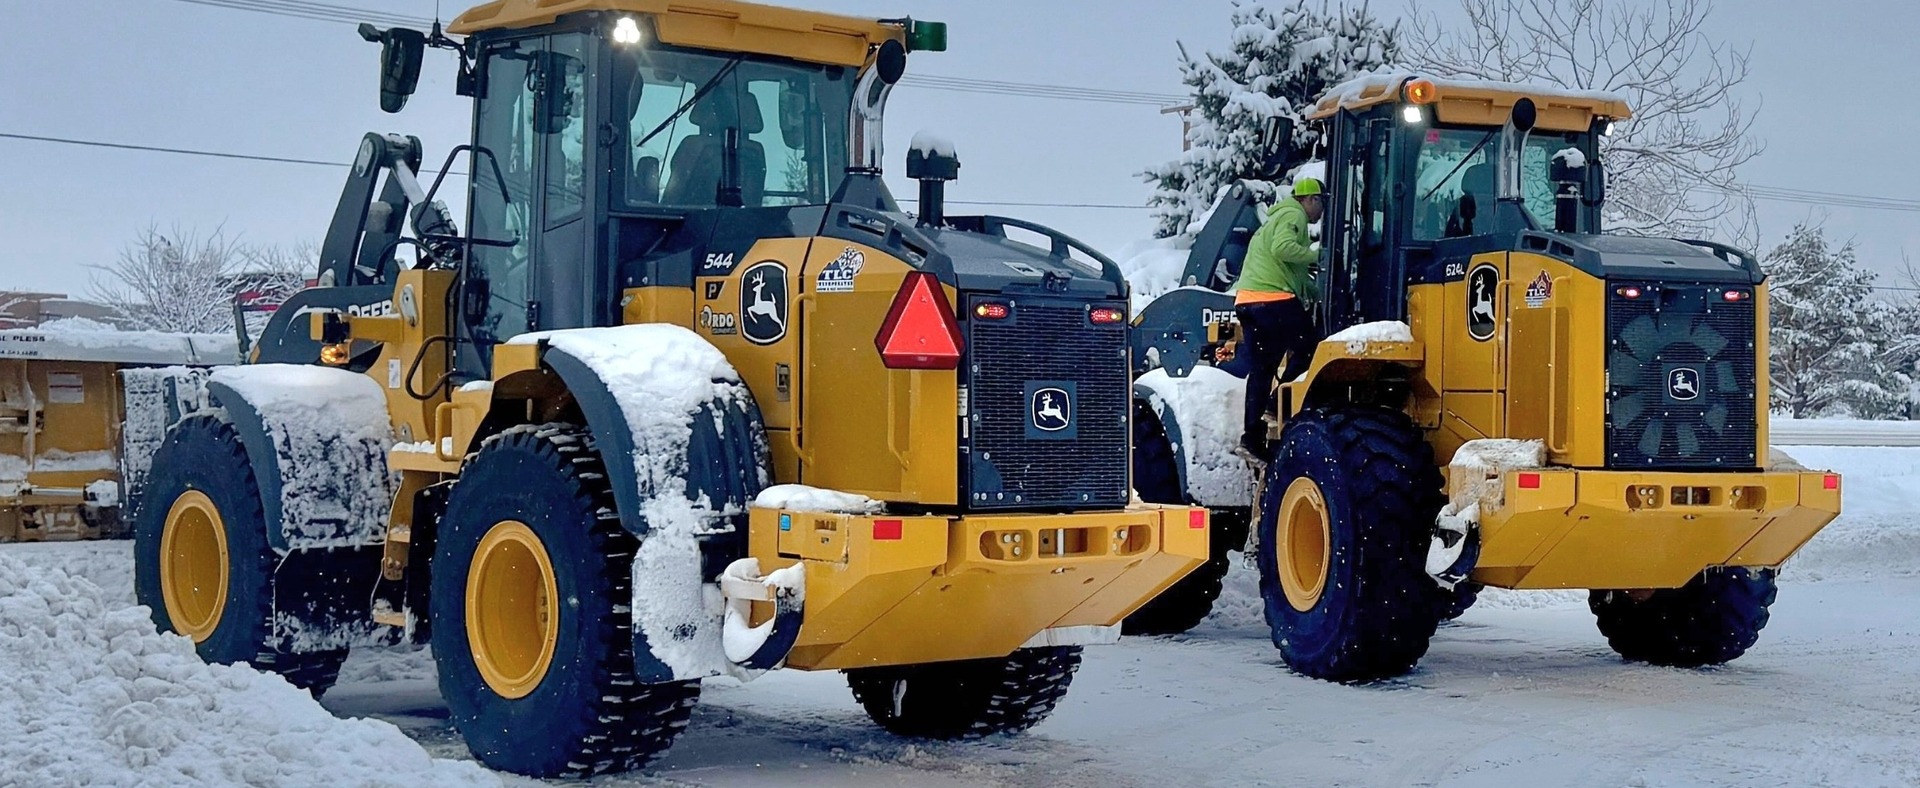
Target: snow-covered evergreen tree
1283, 55
1827, 349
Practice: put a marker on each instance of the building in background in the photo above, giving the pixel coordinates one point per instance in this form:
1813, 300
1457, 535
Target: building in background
29, 310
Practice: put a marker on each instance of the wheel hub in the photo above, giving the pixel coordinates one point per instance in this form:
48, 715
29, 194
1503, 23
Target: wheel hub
512, 626
193, 566
1303, 547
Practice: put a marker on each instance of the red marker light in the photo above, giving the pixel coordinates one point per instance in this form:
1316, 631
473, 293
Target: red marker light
886, 530
1629, 292
1106, 316
1833, 482
1734, 295
1529, 481
993, 311
1197, 518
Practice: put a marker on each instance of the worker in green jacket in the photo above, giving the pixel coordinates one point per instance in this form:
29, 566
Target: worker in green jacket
1277, 287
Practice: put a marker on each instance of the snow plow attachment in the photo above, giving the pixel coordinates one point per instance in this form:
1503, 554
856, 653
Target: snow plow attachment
884, 590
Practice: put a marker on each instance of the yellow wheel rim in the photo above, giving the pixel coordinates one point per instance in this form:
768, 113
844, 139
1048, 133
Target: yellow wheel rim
512, 624
193, 565
1303, 547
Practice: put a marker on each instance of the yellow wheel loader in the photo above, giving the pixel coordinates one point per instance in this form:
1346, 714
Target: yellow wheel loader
1509, 397
690, 396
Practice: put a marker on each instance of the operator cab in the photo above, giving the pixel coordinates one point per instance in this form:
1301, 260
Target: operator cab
1446, 143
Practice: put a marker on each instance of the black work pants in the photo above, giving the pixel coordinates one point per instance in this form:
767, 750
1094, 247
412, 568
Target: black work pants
1274, 332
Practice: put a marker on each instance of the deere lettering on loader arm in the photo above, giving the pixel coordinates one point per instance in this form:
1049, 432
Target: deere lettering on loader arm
1510, 396
547, 447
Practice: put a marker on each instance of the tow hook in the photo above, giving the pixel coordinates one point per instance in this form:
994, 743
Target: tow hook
1455, 548
766, 646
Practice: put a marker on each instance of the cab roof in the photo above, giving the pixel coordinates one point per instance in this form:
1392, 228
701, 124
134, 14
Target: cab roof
720, 25
1476, 103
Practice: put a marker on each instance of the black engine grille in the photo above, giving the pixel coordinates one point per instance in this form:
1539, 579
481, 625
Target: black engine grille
1046, 347
1680, 376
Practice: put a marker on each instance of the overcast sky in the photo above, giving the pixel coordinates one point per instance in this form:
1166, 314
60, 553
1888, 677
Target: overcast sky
1832, 81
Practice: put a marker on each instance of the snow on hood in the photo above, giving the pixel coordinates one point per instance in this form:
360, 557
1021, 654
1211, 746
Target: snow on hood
1358, 337
94, 696
1358, 87
801, 498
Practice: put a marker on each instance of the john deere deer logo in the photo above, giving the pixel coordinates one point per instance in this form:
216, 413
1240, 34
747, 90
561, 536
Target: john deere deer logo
1482, 287
1683, 384
763, 303
1052, 410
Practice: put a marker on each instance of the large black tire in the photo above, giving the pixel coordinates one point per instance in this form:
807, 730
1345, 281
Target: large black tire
587, 713
967, 700
1373, 614
1452, 604
1711, 620
1156, 479
204, 455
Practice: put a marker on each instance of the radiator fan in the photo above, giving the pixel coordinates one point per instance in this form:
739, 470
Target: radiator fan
1670, 385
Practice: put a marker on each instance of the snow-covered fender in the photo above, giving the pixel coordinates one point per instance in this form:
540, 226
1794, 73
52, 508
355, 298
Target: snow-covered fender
1171, 332
686, 452
1369, 353
1201, 413
317, 438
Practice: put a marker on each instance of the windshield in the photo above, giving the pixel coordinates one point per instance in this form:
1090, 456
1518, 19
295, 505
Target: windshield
1457, 162
679, 105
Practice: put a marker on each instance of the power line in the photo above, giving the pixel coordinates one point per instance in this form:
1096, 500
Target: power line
179, 151
325, 12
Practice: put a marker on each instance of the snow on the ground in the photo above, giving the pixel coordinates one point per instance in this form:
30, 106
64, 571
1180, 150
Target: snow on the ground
801, 498
94, 696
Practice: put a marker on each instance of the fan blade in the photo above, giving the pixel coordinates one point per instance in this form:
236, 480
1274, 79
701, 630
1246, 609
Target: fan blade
1724, 380
1628, 409
1628, 372
1709, 340
1641, 338
1650, 440
1689, 440
1716, 418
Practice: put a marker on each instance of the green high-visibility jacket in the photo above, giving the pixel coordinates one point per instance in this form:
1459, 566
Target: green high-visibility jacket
1281, 254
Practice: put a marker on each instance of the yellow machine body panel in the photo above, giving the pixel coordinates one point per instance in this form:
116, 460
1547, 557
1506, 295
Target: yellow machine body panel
721, 25
1475, 103
59, 432
887, 590
1606, 529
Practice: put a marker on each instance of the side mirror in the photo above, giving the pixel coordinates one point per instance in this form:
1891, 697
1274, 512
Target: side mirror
401, 52
1276, 145
557, 100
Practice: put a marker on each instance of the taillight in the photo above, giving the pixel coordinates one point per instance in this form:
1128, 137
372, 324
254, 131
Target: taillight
920, 331
992, 311
1736, 295
1629, 292
1529, 481
1107, 316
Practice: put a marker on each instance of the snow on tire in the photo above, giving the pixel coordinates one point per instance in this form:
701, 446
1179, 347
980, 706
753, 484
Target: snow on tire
970, 699
202, 468
560, 698
1711, 620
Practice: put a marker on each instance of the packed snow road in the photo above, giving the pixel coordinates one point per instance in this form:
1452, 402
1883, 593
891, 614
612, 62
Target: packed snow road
1522, 690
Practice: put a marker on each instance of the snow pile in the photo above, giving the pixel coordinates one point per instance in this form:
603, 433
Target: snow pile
1208, 404
801, 498
1153, 268
1878, 533
662, 376
330, 436
94, 696
1360, 336
80, 339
